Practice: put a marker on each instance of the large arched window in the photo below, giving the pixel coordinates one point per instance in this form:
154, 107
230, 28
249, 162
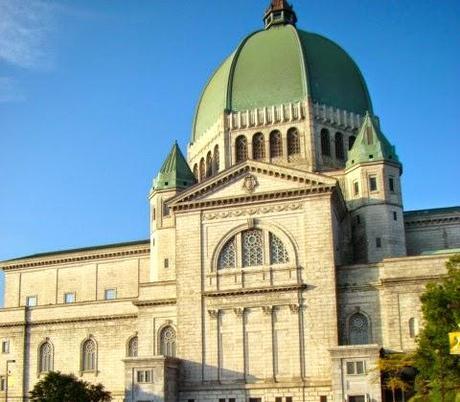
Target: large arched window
358, 329
133, 346
168, 341
276, 146
88, 355
293, 142
216, 159
241, 145
202, 169
325, 142
339, 152
258, 247
258, 146
45, 363
209, 164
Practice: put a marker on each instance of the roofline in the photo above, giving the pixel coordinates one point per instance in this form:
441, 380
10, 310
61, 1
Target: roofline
77, 250
432, 211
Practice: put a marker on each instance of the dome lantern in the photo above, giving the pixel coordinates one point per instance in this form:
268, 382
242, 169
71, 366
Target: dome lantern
280, 12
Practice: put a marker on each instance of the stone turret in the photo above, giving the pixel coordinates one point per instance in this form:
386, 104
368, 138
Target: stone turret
173, 177
374, 196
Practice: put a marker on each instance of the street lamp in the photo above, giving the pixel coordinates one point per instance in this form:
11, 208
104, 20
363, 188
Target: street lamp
6, 378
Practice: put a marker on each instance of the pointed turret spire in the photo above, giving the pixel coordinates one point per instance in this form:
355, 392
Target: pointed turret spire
175, 172
280, 12
370, 144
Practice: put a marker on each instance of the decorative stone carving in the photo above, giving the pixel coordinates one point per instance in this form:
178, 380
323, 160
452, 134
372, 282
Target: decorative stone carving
294, 308
213, 313
239, 311
250, 183
253, 211
267, 310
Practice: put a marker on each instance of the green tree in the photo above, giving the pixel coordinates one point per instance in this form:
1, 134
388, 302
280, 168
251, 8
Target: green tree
438, 377
57, 387
395, 370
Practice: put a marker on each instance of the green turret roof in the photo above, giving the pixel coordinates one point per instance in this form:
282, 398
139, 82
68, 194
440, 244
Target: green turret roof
371, 144
175, 172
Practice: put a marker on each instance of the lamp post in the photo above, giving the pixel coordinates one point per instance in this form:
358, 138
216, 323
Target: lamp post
6, 378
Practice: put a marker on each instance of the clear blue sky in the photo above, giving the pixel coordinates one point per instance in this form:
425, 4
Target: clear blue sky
94, 92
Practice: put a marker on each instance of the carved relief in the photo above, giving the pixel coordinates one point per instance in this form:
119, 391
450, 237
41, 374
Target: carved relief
213, 313
253, 211
239, 311
250, 183
294, 308
267, 310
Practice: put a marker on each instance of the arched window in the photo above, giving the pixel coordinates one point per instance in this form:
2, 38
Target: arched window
255, 244
413, 327
258, 146
325, 142
202, 170
168, 341
241, 145
339, 154
358, 329
293, 142
133, 344
351, 141
88, 360
216, 159
45, 357
278, 253
227, 257
276, 147
209, 164
195, 171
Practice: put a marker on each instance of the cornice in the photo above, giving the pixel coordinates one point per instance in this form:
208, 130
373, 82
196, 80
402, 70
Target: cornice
410, 279
425, 221
247, 291
46, 261
70, 320
163, 302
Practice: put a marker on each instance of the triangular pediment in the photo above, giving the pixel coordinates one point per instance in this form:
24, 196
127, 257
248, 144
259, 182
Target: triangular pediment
252, 181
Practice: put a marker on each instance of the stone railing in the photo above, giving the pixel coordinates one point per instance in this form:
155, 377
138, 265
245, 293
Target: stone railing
267, 115
337, 117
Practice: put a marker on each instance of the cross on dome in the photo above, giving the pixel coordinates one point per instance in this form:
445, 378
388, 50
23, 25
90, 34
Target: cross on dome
280, 12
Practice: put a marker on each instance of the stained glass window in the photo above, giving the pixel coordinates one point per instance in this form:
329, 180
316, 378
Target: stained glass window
46, 357
168, 341
293, 142
133, 346
276, 148
258, 146
89, 355
227, 257
252, 247
241, 149
359, 329
278, 253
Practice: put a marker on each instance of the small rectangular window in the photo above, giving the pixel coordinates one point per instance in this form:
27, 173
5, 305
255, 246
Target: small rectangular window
289, 399
360, 367
166, 263
278, 399
144, 376
358, 219
378, 242
110, 294
2, 383
69, 298
323, 398
391, 183
31, 301
372, 183
395, 216
190, 400
221, 399
356, 368
355, 188
350, 368
6, 346
154, 214
232, 400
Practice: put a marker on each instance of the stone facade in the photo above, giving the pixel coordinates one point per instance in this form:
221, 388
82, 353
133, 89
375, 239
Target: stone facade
277, 278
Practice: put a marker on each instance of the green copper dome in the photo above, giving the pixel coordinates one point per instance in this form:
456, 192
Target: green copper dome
280, 65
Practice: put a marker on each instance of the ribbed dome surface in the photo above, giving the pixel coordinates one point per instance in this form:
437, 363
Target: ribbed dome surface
282, 65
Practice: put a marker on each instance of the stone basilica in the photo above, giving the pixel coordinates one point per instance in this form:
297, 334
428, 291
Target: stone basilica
280, 260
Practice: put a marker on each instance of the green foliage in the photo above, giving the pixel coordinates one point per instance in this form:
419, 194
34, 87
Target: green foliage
395, 370
438, 376
57, 387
